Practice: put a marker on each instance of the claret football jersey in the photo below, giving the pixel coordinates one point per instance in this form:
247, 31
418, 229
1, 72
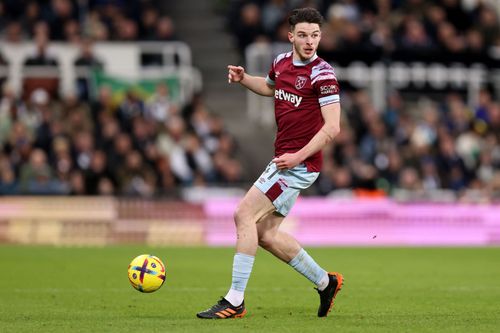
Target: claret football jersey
301, 89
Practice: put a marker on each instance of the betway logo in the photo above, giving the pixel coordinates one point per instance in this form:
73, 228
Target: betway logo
289, 97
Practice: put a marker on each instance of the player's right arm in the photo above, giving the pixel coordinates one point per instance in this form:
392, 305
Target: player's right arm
257, 84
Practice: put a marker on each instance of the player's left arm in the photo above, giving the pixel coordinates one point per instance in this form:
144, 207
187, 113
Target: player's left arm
330, 129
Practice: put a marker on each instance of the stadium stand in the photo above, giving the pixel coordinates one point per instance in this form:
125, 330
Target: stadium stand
107, 105
420, 86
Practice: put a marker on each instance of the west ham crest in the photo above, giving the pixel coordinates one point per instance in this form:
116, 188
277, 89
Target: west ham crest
300, 82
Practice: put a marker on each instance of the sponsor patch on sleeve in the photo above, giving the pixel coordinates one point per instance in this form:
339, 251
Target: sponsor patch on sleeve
328, 89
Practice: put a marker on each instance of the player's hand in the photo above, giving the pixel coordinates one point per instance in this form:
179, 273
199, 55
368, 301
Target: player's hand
235, 73
287, 161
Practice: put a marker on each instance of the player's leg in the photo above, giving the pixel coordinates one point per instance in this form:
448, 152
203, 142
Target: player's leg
252, 208
281, 244
285, 247
283, 188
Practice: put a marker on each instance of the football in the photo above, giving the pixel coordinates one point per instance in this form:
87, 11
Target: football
146, 273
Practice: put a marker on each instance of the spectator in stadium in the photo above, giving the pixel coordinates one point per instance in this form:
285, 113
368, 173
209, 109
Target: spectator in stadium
456, 14
97, 173
457, 31
83, 149
82, 118
136, 178
166, 179
430, 176
95, 27
86, 57
69, 20
14, 33
8, 111
31, 16
31, 113
159, 107
36, 176
148, 22
77, 183
122, 145
142, 133
494, 118
131, 107
390, 173
208, 127
41, 56
415, 38
273, 13
249, 28
126, 29
488, 23
190, 162
65, 130
409, 179
104, 104
364, 30
165, 29
58, 15
228, 169
60, 159
108, 129
298, 78
8, 179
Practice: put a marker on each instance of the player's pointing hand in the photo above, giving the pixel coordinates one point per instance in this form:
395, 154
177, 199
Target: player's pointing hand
235, 73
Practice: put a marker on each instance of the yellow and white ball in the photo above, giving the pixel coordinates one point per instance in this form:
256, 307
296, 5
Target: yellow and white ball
146, 273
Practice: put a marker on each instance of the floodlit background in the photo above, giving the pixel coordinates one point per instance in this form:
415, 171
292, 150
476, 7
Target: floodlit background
117, 124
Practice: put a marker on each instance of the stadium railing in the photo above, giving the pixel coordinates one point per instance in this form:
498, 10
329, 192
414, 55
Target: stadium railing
125, 60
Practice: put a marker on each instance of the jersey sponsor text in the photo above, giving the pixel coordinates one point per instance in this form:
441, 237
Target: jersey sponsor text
289, 97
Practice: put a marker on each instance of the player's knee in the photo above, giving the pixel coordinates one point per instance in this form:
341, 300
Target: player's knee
240, 216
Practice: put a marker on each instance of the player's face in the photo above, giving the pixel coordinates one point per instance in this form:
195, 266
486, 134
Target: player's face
305, 39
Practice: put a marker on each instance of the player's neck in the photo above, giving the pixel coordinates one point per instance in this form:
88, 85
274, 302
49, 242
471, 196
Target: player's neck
297, 61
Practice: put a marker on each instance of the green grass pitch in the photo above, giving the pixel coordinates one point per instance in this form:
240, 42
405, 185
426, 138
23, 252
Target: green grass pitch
46, 289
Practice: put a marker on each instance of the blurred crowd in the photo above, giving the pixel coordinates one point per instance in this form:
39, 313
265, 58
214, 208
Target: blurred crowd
137, 147
443, 30
70, 20
153, 146
418, 148
409, 147
72, 144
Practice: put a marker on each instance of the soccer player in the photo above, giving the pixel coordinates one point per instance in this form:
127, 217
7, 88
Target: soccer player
307, 111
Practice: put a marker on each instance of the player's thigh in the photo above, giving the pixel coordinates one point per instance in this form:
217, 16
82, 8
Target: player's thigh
254, 205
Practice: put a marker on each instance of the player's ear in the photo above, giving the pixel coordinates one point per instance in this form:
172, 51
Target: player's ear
290, 36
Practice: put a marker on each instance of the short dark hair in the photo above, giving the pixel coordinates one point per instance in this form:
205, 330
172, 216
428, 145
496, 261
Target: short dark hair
307, 15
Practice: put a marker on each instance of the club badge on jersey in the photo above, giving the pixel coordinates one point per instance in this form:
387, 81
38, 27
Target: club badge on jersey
300, 82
